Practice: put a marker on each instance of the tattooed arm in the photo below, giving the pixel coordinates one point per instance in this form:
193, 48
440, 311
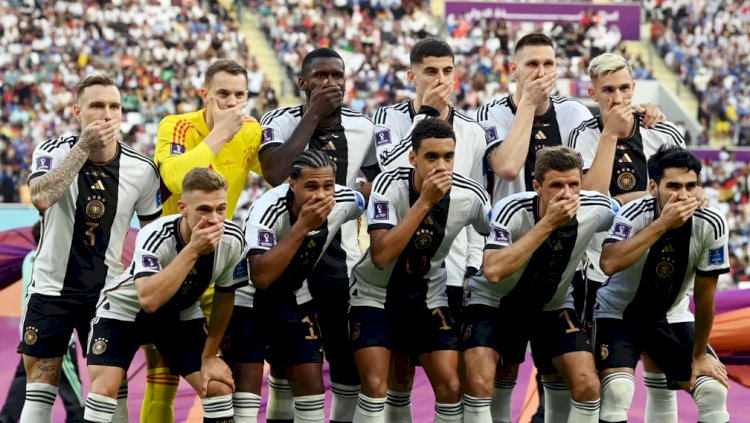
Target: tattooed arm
47, 189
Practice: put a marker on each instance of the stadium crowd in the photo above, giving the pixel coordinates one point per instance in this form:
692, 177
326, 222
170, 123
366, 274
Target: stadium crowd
706, 44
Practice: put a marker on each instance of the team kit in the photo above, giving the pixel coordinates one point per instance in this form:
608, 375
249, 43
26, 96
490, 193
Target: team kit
533, 226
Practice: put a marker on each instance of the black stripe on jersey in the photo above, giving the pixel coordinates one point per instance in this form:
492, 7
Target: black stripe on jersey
389, 156
471, 185
573, 137
272, 213
353, 113
54, 143
387, 177
345, 196
234, 230
295, 111
557, 99
462, 116
156, 238
484, 112
713, 219
645, 206
130, 152
381, 116
672, 132
505, 213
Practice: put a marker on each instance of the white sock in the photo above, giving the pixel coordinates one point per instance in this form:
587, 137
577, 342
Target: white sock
617, 395
310, 408
584, 411
280, 400
661, 402
711, 397
344, 402
121, 412
40, 397
99, 408
556, 402
502, 394
369, 410
477, 410
445, 413
246, 406
218, 407
398, 407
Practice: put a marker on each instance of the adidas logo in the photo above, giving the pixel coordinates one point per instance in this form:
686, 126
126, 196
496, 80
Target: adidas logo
98, 186
540, 135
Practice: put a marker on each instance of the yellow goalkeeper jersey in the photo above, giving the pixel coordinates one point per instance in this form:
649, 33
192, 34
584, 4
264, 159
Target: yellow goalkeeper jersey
180, 148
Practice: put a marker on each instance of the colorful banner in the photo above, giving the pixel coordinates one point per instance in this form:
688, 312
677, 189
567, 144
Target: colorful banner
626, 16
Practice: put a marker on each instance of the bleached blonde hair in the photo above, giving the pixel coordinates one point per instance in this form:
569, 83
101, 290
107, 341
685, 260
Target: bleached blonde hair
606, 64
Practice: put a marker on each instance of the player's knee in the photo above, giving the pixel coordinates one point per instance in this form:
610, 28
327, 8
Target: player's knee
585, 387
711, 397
448, 389
617, 394
374, 386
217, 389
479, 382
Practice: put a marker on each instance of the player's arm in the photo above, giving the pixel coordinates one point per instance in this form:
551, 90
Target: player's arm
266, 268
275, 160
618, 255
508, 158
387, 244
48, 188
705, 291
174, 165
503, 262
618, 123
155, 290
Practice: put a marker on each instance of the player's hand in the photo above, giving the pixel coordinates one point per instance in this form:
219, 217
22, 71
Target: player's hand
229, 120
700, 195
325, 99
652, 114
315, 212
537, 89
438, 95
618, 118
709, 366
214, 369
560, 211
677, 212
99, 134
206, 237
436, 184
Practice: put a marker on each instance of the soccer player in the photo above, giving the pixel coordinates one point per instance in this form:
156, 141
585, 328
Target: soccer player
219, 137
615, 147
398, 294
658, 249
323, 123
537, 239
87, 188
287, 231
157, 300
432, 74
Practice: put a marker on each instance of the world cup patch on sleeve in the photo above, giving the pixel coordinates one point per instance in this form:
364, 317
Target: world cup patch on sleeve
716, 256
177, 149
491, 135
381, 210
266, 239
268, 134
44, 163
501, 235
240, 271
383, 137
151, 262
621, 230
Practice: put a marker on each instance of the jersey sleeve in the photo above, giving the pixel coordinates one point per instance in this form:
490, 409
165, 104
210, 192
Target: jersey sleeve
627, 222
252, 130
495, 124
148, 206
502, 225
393, 146
381, 212
357, 207
371, 158
148, 257
235, 275
46, 157
172, 155
585, 141
714, 258
259, 238
276, 129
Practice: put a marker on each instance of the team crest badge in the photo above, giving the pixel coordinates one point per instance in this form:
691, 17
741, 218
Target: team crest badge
99, 347
356, 331
467, 333
625, 180
664, 269
95, 207
604, 351
31, 335
424, 239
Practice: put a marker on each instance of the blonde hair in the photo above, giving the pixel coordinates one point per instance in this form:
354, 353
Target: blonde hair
203, 179
606, 64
